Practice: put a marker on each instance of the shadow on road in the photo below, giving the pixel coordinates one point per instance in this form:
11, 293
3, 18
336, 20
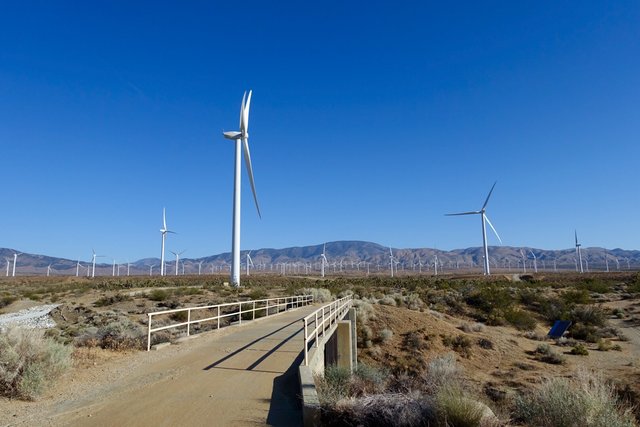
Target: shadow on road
286, 408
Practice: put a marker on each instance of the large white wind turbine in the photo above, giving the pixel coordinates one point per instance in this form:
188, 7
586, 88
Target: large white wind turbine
164, 230
535, 262
241, 138
485, 220
578, 251
93, 262
323, 259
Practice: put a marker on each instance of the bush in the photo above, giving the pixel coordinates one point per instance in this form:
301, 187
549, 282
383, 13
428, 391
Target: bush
475, 327
521, 319
105, 301
385, 335
319, 294
334, 385
588, 315
461, 343
580, 350
546, 354
388, 300
5, 300
30, 363
584, 401
454, 408
443, 371
158, 295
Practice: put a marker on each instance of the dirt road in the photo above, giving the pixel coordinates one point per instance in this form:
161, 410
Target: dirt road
243, 376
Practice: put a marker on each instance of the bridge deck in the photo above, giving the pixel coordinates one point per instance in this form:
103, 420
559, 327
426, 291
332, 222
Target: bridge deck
247, 376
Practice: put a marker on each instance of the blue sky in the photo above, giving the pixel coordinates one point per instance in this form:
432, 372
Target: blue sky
367, 123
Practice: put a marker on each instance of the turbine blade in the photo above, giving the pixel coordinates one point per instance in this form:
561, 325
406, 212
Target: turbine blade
246, 114
490, 191
464, 213
576, 232
242, 109
164, 219
493, 228
247, 160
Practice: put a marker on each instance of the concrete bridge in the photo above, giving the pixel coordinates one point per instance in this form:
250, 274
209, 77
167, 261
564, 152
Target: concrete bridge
247, 375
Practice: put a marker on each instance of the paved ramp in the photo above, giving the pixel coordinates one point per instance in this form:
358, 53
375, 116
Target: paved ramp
246, 377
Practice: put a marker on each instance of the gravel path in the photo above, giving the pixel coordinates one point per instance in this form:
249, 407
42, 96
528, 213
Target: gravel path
33, 318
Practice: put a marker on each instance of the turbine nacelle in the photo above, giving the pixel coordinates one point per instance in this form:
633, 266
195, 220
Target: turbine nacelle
235, 135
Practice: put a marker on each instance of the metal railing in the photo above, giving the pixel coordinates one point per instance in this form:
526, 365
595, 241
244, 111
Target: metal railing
270, 306
322, 320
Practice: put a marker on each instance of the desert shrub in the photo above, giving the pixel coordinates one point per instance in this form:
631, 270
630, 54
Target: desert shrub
546, 354
533, 335
158, 295
319, 294
5, 300
388, 300
368, 379
604, 345
334, 385
121, 334
580, 296
595, 285
521, 319
413, 302
385, 335
30, 363
472, 327
584, 332
619, 313
454, 408
580, 350
491, 298
586, 400
588, 315
414, 340
385, 409
443, 371
365, 336
485, 343
460, 343
105, 300
179, 316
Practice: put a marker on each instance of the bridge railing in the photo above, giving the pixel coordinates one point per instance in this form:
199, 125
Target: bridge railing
270, 307
320, 321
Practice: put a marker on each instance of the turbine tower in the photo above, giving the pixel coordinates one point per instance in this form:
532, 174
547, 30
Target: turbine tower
485, 220
241, 139
535, 261
164, 230
578, 251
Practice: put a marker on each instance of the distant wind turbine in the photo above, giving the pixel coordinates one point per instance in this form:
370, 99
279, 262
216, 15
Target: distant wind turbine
323, 259
241, 138
535, 262
8, 263
524, 261
48, 270
164, 230
77, 268
485, 219
177, 259
151, 270
391, 260
249, 262
15, 257
578, 251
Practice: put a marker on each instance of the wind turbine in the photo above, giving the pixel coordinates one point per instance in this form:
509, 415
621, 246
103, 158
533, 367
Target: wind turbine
93, 270
200, 267
15, 257
578, 251
535, 261
164, 230
391, 260
241, 139
524, 261
8, 263
77, 268
151, 270
606, 260
177, 259
249, 262
48, 270
485, 219
323, 259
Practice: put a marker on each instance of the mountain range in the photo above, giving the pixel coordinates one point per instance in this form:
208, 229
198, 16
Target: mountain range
342, 256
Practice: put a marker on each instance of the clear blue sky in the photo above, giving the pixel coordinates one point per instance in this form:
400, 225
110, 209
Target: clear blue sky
367, 122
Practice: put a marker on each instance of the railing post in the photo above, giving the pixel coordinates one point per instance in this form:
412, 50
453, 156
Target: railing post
218, 317
323, 322
306, 352
149, 334
267, 309
316, 329
240, 314
188, 320
254, 310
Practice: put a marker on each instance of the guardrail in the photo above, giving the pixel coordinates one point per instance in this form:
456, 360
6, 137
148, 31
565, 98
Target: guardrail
268, 305
323, 319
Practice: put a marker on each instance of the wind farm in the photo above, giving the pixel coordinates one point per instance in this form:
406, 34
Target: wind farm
357, 289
